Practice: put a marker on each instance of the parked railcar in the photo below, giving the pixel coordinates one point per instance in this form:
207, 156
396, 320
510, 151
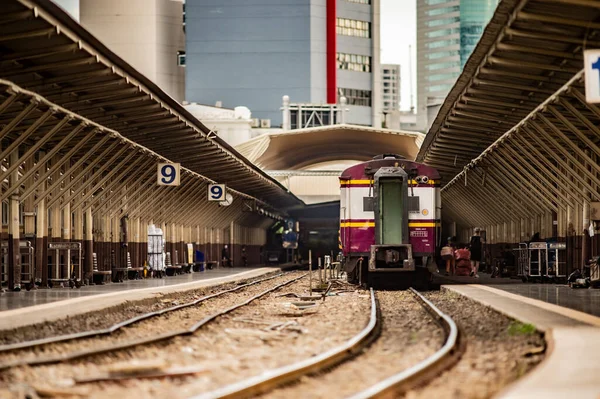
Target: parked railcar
390, 221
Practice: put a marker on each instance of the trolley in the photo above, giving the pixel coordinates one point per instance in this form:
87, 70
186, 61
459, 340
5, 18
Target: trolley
522, 261
27, 264
65, 265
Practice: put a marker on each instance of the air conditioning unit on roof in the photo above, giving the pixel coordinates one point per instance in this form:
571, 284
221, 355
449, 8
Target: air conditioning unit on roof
265, 123
255, 122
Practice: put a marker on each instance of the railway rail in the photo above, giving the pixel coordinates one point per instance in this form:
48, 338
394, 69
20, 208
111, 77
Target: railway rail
42, 360
128, 322
445, 357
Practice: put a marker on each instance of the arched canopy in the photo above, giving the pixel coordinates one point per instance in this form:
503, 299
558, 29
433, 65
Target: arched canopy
302, 148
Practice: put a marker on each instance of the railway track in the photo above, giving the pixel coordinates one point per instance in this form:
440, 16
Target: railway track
73, 355
125, 323
424, 370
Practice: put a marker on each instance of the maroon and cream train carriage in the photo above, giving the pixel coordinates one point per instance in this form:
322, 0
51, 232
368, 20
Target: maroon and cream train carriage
389, 221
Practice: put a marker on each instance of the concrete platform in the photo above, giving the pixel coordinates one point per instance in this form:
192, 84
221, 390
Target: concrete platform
571, 367
25, 308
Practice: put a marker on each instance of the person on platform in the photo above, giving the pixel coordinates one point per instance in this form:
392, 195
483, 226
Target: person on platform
475, 247
244, 256
225, 257
448, 256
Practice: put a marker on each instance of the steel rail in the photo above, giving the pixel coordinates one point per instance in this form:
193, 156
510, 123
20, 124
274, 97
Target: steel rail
443, 359
35, 361
124, 323
276, 377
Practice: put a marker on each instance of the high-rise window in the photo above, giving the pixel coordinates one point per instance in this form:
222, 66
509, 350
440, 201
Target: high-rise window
354, 62
442, 32
435, 2
181, 58
443, 43
356, 96
445, 21
352, 27
443, 65
442, 11
440, 54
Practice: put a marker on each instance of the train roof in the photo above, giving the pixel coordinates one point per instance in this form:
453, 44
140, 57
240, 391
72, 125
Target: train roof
366, 170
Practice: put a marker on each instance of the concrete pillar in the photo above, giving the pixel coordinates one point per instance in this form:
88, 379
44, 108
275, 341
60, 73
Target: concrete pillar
78, 237
41, 243
14, 255
89, 246
66, 236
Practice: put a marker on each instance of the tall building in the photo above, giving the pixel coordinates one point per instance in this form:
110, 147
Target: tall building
447, 33
148, 34
390, 87
254, 52
474, 16
438, 58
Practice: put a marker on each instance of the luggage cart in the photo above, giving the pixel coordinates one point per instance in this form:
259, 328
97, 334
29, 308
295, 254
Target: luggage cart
67, 255
538, 260
27, 264
156, 254
522, 261
555, 259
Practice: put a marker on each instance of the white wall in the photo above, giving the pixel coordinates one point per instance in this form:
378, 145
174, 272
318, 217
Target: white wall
145, 33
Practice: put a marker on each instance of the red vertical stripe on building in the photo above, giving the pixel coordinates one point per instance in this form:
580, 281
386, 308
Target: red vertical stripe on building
331, 52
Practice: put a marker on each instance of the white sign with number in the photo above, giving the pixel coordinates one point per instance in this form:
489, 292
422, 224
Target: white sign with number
168, 174
592, 75
216, 192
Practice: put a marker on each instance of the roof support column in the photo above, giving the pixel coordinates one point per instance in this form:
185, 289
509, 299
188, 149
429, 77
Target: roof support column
14, 255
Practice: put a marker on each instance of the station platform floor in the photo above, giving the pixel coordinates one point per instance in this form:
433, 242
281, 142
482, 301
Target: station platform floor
30, 307
569, 319
578, 299
14, 300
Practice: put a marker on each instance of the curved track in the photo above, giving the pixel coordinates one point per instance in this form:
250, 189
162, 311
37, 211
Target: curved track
419, 373
274, 378
34, 361
425, 370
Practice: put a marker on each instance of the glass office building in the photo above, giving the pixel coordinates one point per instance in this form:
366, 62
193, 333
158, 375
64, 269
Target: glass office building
474, 16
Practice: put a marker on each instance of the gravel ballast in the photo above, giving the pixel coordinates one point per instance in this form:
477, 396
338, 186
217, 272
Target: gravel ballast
268, 333
409, 335
499, 351
113, 315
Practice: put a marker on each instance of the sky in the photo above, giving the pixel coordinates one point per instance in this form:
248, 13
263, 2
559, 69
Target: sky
398, 32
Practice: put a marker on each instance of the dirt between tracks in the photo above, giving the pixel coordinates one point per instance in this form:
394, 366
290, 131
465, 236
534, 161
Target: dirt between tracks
176, 320
105, 318
268, 333
409, 335
499, 351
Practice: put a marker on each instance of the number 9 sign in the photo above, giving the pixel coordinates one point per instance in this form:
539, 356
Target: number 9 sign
216, 192
168, 174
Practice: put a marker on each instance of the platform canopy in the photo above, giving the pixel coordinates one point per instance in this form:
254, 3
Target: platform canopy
302, 148
46, 52
529, 50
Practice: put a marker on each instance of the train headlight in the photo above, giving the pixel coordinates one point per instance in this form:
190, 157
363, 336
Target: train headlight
422, 179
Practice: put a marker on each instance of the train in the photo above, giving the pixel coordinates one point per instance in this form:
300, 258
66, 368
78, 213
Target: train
390, 222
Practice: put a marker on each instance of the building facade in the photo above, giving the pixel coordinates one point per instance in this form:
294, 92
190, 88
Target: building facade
438, 48
474, 16
447, 33
252, 53
390, 87
148, 34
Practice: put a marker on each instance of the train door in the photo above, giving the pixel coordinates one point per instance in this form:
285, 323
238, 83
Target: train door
391, 211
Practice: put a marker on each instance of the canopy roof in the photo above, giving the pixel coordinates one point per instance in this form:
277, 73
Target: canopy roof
45, 51
529, 50
301, 148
